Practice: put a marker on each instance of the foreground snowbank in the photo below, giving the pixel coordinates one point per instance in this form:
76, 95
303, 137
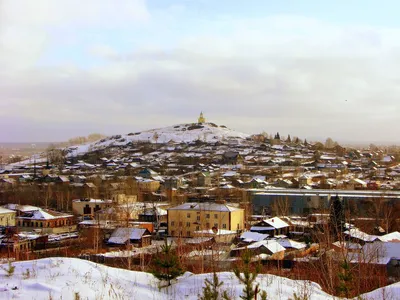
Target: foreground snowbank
64, 278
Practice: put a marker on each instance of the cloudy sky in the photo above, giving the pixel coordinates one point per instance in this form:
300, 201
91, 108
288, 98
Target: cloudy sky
314, 69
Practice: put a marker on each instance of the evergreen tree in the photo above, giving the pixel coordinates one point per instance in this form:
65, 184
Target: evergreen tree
277, 136
247, 277
211, 289
345, 278
288, 140
337, 217
166, 265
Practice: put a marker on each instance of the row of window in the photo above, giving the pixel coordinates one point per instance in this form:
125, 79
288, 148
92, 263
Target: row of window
207, 216
188, 224
40, 224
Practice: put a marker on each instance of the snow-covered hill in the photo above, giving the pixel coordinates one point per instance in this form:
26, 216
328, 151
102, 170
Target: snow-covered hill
208, 132
71, 278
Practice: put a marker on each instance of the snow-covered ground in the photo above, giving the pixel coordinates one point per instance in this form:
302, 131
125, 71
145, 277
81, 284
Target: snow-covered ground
207, 132
70, 278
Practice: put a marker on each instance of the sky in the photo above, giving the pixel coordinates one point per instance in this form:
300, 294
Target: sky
310, 68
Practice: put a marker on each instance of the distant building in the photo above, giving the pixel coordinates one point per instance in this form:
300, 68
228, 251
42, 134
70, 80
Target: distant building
201, 118
46, 221
138, 237
7, 217
185, 219
87, 207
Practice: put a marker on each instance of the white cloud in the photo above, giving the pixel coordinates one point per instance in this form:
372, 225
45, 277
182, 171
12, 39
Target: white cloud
285, 73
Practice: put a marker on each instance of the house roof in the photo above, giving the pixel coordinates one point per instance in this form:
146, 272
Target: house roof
390, 237
4, 210
206, 206
288, 243
42, 214
276, 222
122, 235
378, 253
249, 236
360, 235
22, 208
272, 245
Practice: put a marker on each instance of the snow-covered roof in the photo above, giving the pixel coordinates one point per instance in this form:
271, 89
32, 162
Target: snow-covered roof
272, 245
122, 235
22, 208
42, 214
390, 237
288, 243
276, 222
207, 206
4, 210
93, 200
249, 236
360, 235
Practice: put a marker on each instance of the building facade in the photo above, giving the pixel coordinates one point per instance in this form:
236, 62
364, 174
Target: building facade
185, 219
7, 217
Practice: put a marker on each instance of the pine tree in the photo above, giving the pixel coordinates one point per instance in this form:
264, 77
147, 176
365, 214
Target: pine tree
288, 140
247, 277
337, 217
166, 265
211, 289
345, 279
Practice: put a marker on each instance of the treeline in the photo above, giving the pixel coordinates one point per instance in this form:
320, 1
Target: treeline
85, 139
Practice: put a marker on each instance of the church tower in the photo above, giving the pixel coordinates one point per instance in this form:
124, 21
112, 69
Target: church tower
201, 118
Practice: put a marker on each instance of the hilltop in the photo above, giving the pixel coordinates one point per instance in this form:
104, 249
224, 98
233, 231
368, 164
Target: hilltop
189, 132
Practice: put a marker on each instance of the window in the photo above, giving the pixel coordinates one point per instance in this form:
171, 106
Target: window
180, 224
198, 218
172, 232
215, 225
197, 228
208, 225
188, 215
224, 226
207, 216
187, 224
187, 233
172, 223
215, 216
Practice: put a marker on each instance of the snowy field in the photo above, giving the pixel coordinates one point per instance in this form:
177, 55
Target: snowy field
71, 278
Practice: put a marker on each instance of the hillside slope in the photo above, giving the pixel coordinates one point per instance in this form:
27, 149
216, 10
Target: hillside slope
70, 278
207, 132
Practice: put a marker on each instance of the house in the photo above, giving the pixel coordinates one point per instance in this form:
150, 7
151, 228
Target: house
269, 247
87, 206
185, 219
147, 185
231, 157
46, 221
273, 226
204, 179
147, 173
138, 237
7, 217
